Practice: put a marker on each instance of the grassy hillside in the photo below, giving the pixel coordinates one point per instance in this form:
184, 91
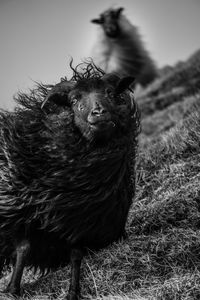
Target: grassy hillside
161, 258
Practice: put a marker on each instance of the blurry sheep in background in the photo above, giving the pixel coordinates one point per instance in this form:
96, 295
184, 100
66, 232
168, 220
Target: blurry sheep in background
120, 49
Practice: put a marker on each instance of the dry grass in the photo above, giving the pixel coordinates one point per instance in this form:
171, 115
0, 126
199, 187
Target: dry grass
160, 260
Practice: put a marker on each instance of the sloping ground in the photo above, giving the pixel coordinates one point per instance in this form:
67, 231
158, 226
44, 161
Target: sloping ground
160, 260
181, 81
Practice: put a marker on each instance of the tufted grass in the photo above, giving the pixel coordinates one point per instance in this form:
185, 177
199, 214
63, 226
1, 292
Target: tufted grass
160, 260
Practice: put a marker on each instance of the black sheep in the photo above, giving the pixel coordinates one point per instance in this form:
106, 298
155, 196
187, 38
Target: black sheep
67, 175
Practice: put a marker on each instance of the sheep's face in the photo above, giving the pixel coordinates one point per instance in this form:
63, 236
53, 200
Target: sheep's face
109, 22
92, 114
101, 106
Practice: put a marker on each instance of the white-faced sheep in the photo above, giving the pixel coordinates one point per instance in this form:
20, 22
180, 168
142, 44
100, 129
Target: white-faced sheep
120, 49
67, 172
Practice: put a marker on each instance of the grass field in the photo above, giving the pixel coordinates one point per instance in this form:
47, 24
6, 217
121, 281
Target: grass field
160, 259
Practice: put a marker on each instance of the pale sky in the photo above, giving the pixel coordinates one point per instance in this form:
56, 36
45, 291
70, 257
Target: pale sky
38, 37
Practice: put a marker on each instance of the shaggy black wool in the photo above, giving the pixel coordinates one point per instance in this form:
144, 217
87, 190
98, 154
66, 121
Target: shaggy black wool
57, 189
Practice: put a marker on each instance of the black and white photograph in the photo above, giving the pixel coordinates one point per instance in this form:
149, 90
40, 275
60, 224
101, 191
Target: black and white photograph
100, 150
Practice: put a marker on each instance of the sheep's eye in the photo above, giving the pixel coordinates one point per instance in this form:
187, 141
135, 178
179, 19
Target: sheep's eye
75, 99
121, 99
110, 93
80, 107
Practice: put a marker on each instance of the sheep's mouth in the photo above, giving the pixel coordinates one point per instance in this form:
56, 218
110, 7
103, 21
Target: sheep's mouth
101, 125
100, 132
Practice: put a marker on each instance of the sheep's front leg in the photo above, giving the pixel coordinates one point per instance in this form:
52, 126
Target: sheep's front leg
22, 251
74, 289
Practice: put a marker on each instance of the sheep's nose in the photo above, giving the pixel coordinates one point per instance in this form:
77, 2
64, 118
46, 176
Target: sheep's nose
98, 110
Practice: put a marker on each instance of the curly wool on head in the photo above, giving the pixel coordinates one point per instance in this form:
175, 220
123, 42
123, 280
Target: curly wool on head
67, 177
86, 70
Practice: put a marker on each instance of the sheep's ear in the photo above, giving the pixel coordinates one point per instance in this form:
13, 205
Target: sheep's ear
124, 84
118, 12
59, 99
97, 21
59, 94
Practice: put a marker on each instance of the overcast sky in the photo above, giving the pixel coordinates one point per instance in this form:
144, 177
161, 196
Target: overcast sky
38, 37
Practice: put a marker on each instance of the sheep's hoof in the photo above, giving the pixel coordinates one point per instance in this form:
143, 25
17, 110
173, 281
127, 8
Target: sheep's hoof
73, 296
